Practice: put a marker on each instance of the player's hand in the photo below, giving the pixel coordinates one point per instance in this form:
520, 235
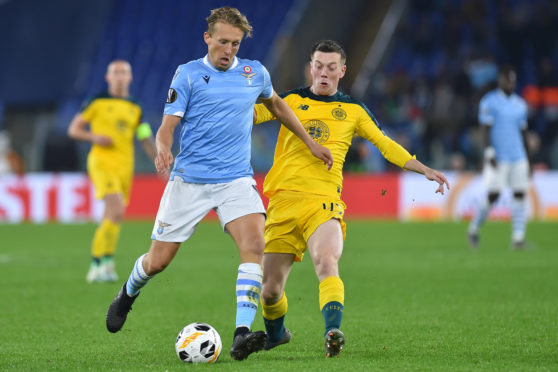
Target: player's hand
103, 141
164, 175
434, 175
163, 161
322, 153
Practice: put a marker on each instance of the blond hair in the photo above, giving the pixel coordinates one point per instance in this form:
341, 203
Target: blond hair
229, 15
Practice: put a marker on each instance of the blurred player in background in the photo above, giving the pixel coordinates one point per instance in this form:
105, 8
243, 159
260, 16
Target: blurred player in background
213, 99
305, 208
113, 118
10, 161
503, 114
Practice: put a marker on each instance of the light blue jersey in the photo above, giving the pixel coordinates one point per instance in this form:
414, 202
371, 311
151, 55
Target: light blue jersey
506, 116
217, 118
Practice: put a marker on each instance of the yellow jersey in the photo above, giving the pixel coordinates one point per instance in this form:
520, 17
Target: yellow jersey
332, 121
117, 118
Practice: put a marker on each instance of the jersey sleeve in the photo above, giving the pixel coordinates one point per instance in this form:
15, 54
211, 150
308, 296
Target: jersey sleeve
267, 91
88, 110
485, 115
262, 114
368, 129
179, 93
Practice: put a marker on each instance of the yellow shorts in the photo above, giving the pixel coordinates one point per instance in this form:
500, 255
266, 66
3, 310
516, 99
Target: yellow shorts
108, 179
292, 217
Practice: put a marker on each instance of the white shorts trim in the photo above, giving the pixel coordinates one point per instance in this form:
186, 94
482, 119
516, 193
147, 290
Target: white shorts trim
513, 175
183, 205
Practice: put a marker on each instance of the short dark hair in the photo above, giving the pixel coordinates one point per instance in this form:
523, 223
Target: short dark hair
329, 46
231, 16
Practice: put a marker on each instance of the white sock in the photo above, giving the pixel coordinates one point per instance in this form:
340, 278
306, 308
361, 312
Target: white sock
248, 289
479, 217
138, 278
519, 219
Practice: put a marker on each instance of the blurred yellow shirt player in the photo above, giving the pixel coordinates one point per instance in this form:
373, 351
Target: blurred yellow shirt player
111, 167
114, 118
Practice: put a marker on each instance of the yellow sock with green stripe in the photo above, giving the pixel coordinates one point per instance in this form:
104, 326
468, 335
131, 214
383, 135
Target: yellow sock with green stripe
105, 239
274, 318
332, 298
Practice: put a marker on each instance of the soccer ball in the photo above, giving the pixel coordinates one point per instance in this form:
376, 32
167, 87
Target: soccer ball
198, 343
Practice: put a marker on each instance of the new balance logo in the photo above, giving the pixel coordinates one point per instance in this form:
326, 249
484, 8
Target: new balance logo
206, 78
303, 107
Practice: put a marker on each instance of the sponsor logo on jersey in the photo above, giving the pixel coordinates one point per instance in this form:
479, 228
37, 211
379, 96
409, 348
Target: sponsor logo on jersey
206, 78
171, 96
318, 130
303, 107
338, 113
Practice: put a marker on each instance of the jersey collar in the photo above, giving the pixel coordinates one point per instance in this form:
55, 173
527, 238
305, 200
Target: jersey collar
208, 64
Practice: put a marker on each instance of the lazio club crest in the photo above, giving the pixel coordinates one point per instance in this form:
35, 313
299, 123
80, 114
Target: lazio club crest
162, 226
248, 74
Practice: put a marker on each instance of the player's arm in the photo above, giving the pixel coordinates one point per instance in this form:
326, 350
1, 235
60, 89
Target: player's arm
163, 142
430, 174
78, 131
486, 119
527, 152
145, 136
395, 153
281, 110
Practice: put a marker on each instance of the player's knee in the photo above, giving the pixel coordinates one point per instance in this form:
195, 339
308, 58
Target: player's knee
326, 266
115, 213
271, 293
518, 195
492, 197
253, 246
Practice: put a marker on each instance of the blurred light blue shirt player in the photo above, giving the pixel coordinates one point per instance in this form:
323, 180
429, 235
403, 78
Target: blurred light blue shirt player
507, 117
503, 114
217, 117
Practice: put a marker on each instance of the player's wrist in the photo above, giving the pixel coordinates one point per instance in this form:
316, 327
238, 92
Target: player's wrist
489, 153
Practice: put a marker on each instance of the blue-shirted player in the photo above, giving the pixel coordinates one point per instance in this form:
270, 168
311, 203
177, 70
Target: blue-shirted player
212, 99
504, 117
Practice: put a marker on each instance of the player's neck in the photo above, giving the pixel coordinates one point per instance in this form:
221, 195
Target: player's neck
120, 93
327, 94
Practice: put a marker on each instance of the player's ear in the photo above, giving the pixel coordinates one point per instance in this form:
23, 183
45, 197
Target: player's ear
206, 37
343, 70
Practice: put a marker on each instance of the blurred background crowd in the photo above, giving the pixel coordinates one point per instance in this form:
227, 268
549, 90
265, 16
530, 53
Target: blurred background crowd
421, 66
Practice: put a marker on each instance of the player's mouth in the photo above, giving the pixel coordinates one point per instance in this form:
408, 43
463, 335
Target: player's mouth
224, 60
324, 83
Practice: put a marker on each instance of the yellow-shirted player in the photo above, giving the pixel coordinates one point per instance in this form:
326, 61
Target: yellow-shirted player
305, 208
114, 119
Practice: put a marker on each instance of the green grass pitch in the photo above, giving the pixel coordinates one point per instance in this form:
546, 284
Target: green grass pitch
417, 299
